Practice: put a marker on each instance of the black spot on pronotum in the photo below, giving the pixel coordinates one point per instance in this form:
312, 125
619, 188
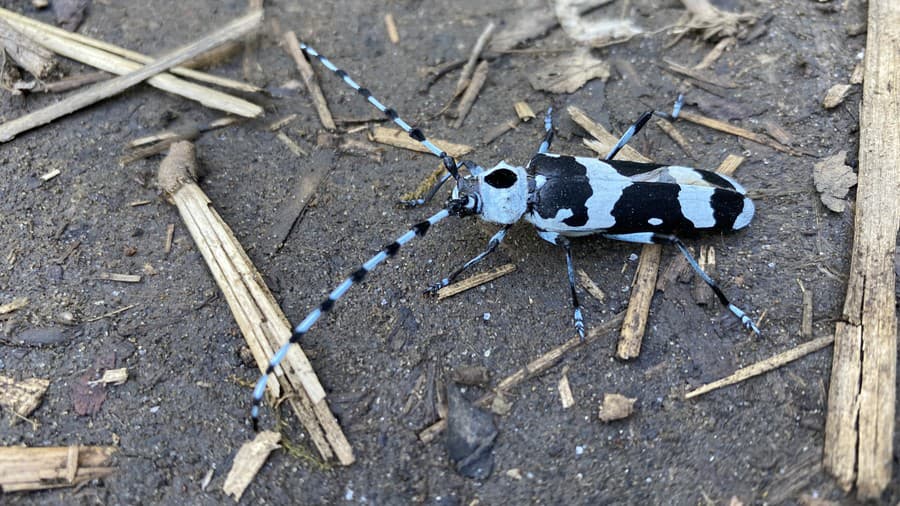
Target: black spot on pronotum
501, 178
359, 274
421, 228
417, 134
392, 248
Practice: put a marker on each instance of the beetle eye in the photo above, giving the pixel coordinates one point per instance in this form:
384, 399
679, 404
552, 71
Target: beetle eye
501, 178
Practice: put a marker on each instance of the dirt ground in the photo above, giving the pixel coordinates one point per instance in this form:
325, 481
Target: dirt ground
184, 409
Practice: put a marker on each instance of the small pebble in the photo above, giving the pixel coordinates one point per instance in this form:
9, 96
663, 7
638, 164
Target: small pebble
579, 450
487, 316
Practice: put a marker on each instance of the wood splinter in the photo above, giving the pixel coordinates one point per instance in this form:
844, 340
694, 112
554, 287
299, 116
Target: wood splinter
258, 315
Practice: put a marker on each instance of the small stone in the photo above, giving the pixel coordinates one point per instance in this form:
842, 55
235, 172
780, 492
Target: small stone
616, 407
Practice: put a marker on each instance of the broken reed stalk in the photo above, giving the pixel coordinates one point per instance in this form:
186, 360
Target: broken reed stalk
763, 366
728, 128
532, 369
471, 93
117, 65
635, 321
76, 38
473, 281
254, 307
309, 78
106, 89
859, 427
27, 54
23, 468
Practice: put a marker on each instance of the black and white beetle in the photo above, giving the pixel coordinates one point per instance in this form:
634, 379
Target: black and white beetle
563, 197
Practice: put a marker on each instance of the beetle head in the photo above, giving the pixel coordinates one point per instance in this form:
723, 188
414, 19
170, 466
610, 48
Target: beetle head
499, 194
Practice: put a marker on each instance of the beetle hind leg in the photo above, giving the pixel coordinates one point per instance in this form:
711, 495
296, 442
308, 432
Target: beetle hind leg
578, 317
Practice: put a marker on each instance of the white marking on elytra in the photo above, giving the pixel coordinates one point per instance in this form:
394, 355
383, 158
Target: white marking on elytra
696, 206
655, 221
746, 215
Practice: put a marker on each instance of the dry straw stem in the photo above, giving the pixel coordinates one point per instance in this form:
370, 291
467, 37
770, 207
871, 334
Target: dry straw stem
398, 138
391, 27
101, 59
117, 85
254, 308
25, 52
309, 78
476, 280
859, 427
764, 366
48, 30
534, 368
248, 461
738, 131
23, 468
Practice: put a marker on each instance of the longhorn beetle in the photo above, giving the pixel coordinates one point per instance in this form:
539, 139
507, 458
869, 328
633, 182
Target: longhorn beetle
563, 197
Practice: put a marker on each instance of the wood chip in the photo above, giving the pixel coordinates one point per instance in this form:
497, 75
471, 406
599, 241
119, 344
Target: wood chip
248, 461
50, 175
565, 391
112, 377
494, 133
22, 397
636, 315
473, 281
764, 366
170, 235
806, 315
523, 111
836, 95
23, 468
398, 138
833, 180
616, 407
391, 26
857, 76
568, 74
124, 278
590, 287
13, 305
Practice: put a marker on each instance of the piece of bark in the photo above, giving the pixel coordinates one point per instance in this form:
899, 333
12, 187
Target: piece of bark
859, 427
833, 179
565, 390
22, 397
248, 461
836, 95
700, 291
616, 407
523, 111
24, 468
27, 54
117, 85
253, 306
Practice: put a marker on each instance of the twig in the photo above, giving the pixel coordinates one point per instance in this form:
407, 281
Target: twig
50, 30
476, 280
494, 133
698, 75
806, 315
738, 131
532, 369
291, 145
124, 278
165, 139
715, 53
115, 86
590, 287
32, 57
472, 91
675, 135
763, 366
309, 79
111, 313
73, 82
467, 72
859, 427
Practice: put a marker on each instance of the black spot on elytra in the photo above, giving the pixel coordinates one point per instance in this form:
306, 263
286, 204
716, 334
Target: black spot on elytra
501, 178
642, 201
629, 169
567, 187
727, 206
